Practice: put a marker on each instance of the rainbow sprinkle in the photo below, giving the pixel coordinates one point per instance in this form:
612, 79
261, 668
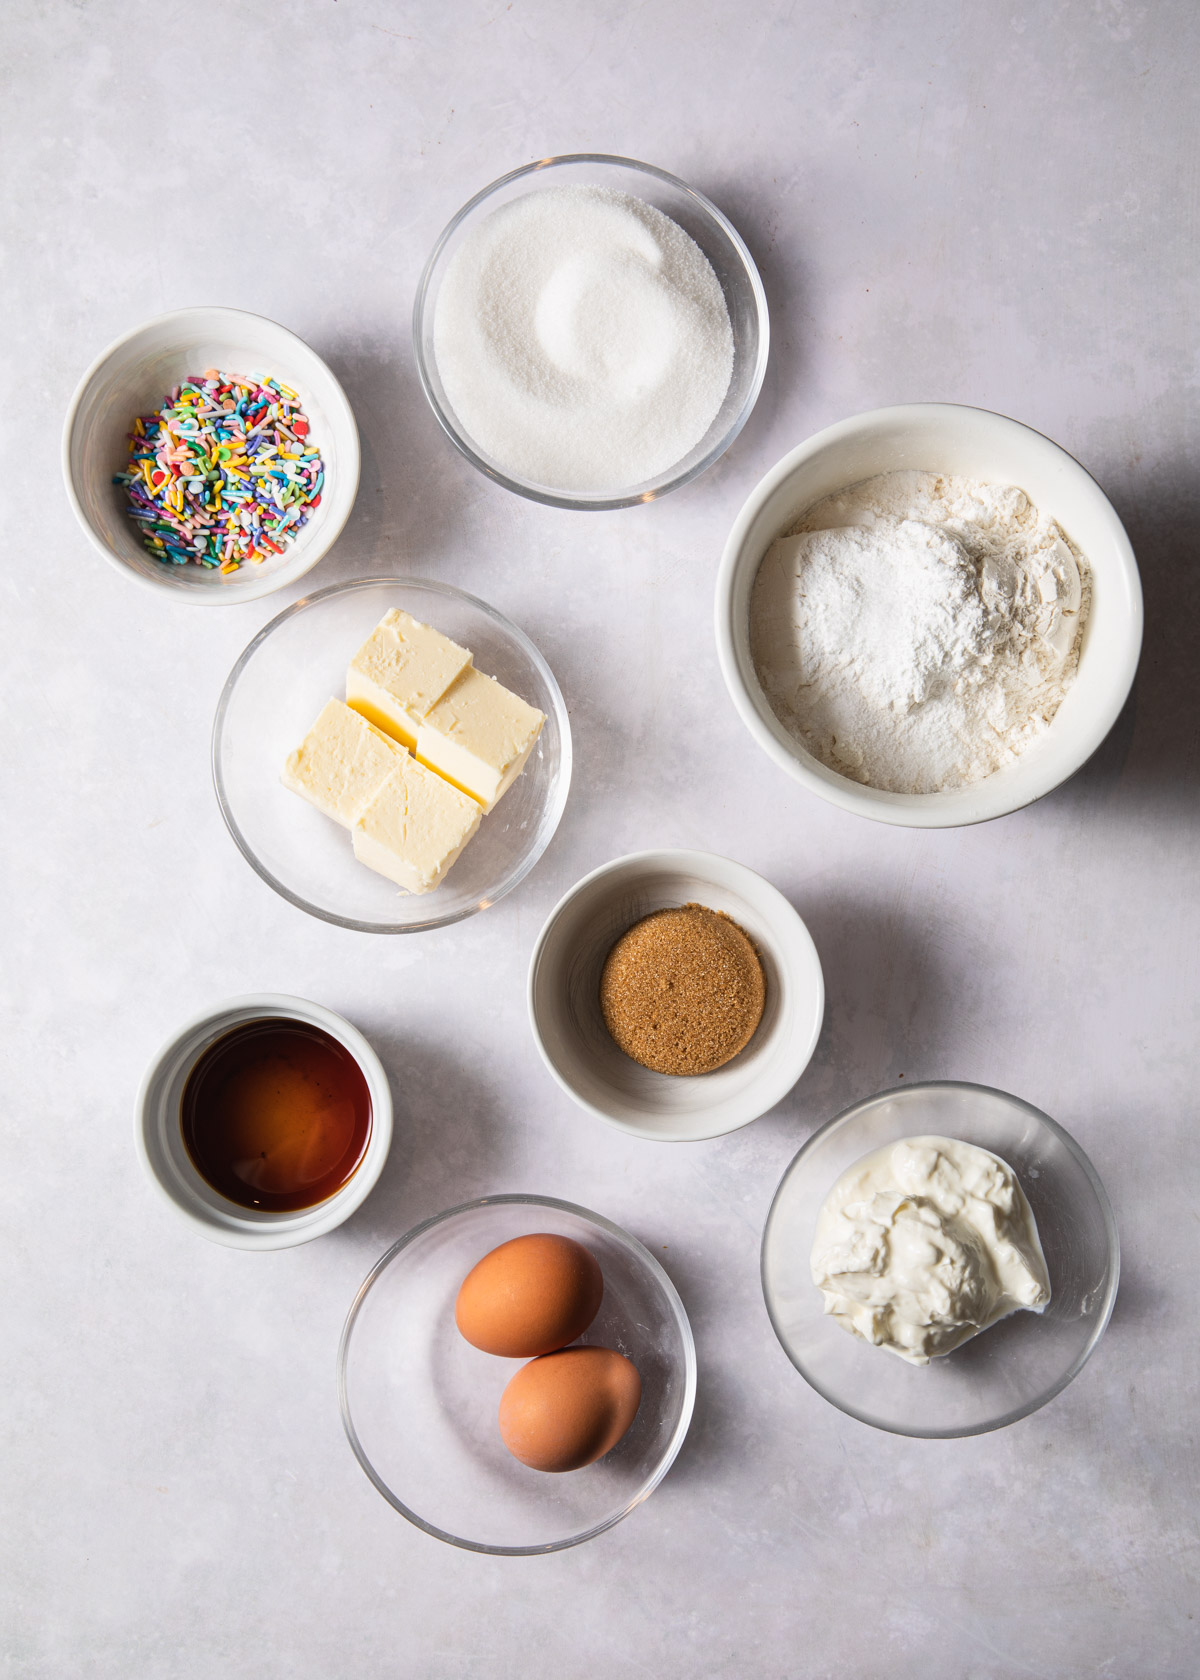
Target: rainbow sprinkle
223, 473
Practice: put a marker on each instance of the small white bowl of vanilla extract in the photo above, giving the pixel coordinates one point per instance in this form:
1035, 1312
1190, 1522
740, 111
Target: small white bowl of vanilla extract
265, 1121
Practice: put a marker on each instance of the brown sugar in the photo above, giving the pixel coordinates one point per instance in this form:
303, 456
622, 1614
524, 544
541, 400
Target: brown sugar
682, 991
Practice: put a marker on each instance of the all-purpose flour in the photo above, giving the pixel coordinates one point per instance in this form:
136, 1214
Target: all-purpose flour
917, 632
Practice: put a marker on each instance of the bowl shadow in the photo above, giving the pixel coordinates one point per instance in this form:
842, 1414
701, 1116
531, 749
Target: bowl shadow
448, 1144
787, 291
413, 485
718, 1421
715, 1415
889, 991
1150, 761
1138, 1300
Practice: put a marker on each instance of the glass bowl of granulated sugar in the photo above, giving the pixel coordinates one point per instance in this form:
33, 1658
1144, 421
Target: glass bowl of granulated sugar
591, 332
929, 615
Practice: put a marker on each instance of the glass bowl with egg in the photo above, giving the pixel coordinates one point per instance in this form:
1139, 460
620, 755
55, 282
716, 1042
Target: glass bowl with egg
287, 678
420, 1403
1000, 1374
562, 329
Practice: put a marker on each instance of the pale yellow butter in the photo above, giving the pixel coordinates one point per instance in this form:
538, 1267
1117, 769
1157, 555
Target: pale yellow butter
414, 827
478, 736
401, 670
341, 763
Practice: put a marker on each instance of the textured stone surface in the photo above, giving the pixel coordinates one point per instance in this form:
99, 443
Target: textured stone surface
991, 204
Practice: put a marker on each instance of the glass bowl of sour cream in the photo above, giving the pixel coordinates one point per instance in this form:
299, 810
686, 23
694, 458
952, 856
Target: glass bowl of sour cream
591, 332
1002, 1373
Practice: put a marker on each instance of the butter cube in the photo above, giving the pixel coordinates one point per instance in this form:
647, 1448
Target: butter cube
478, 736
400, 671
341, 763
414, 828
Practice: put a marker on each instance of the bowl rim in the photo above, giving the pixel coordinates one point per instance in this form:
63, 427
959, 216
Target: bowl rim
559, 789
285, 1230
584, 503
1111, 1233
877, 804
687, 1405
255, 587
661, 858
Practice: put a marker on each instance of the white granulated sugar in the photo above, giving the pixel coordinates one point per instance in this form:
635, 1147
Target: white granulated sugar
917, 632
582, 339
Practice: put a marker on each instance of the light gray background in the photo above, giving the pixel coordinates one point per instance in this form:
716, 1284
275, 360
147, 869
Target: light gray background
983, 203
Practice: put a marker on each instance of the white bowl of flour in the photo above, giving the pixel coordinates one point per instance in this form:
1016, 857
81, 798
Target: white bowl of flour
930, 615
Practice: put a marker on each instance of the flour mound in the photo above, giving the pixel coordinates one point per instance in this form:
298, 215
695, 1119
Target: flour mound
917, 632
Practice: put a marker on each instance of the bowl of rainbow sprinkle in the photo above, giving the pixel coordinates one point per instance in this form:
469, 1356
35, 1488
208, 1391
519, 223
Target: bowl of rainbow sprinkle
211, 453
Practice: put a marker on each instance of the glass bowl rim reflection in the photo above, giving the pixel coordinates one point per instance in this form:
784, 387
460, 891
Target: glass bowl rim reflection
551, 813
586, 502
641, 1253
1112, 1241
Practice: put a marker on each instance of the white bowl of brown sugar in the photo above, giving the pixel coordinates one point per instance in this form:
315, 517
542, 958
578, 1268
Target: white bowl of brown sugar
675, 994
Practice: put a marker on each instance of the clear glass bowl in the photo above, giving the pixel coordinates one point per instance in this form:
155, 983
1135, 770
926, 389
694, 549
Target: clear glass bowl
420, 1403
712, 232
270, 700
1006, 1372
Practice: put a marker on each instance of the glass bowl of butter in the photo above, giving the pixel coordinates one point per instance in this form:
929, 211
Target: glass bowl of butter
990, 1378
391, 754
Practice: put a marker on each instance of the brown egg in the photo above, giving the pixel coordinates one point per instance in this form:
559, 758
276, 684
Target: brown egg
569, 1408
529, 1296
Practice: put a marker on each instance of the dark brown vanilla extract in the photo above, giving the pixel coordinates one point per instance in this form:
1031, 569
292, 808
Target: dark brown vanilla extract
276, 1115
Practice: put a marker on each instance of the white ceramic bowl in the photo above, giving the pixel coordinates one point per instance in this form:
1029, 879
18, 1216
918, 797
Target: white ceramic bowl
134, 375
159, 1136
575, 1044
969, 443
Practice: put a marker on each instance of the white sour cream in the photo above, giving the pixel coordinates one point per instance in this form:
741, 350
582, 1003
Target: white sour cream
922, 1244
